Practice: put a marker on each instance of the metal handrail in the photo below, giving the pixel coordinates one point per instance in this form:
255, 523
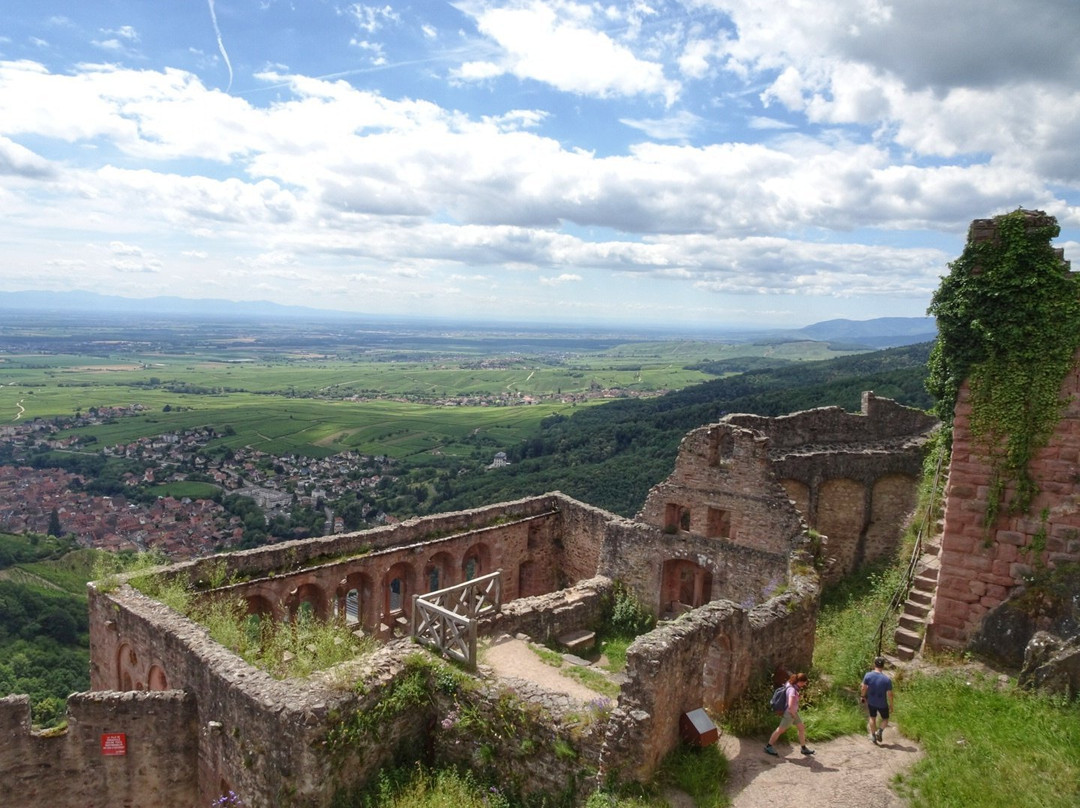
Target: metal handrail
901, 593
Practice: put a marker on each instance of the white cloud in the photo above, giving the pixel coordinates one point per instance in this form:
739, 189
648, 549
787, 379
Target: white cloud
679, 126
562, 43
372, 18
566, 277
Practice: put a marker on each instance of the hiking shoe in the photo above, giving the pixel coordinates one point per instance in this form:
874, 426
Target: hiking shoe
806, 751
770, 751
880, 733
873, 737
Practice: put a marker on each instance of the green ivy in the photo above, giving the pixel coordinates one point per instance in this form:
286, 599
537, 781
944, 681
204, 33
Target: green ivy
1008, 317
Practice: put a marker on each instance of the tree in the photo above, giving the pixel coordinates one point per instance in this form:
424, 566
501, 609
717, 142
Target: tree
54, 524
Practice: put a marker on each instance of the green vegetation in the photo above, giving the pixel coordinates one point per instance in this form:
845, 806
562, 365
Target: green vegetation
420, 787
284, 649
1008, 319
44, 625
611, 455
975, 733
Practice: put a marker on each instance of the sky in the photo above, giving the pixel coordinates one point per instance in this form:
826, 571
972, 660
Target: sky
659, 162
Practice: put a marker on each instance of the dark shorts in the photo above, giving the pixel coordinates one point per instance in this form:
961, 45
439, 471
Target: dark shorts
878, 711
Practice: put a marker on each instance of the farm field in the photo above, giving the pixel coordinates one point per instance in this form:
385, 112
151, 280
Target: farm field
299, 389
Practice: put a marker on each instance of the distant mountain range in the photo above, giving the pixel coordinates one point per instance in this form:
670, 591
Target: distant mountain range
882, 332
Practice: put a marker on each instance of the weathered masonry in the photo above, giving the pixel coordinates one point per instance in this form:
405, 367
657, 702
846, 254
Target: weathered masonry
982, 565
852, 477
722, 547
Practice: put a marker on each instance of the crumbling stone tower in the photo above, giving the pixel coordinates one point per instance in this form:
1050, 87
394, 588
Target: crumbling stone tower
992, 548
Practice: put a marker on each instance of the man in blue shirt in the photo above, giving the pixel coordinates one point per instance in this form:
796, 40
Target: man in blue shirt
877, 694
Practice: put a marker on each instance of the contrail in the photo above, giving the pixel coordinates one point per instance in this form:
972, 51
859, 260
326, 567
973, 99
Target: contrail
220, 44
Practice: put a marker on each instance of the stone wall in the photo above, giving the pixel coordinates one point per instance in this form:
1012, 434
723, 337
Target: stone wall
852, 476
714, 543
70, 768
636, 555
706, 659
982, 566
723, 487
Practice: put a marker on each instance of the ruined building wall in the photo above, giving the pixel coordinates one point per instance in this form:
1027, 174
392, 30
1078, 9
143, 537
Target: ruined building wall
853, 477
261, 737
980, 566
880, 420
638, 556
159, 744
723, 487
707, 659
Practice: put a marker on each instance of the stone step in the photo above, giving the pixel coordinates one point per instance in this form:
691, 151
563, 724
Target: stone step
910, 622
920, 598
905, 653
581, 640
907, 638
916, 610
925, 582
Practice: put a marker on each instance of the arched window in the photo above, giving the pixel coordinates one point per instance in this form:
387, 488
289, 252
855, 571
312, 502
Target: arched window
352, 607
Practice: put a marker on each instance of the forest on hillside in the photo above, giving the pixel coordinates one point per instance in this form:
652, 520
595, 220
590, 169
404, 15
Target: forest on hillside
610, 456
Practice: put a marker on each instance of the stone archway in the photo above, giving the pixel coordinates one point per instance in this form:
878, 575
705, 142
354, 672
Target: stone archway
308, 600
158, 680
892, 499
476, 562
438, 572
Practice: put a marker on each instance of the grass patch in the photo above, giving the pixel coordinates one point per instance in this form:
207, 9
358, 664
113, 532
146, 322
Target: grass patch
702, 772
421, 787
986, 745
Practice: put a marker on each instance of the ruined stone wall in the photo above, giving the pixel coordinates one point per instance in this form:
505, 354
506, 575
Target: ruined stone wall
880, 420
582, 539
723, 487
290, 556
258, 736
981, 567
705, 659
635, 554
544, 618
71, 770
853, 476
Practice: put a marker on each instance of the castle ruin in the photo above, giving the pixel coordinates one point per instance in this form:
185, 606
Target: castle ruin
728, 549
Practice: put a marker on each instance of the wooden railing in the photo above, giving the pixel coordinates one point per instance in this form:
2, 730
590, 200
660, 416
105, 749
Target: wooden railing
446, 618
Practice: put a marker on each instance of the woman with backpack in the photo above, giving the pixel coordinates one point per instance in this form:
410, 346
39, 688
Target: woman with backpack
796, 683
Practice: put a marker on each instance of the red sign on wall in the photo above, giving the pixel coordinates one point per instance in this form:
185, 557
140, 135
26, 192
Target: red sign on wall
113, 743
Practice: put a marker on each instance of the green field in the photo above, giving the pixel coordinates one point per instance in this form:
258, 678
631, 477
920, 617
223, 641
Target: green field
394, 402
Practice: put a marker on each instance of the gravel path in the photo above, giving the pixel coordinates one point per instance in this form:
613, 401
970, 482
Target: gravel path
848, 772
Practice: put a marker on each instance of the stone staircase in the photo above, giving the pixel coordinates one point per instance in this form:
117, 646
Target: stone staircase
920, 600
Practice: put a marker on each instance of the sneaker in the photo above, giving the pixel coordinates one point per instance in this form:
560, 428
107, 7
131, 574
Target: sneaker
873, 737
880, 733
806, 751
770, 751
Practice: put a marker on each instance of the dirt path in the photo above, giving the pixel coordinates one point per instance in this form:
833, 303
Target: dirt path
848, 772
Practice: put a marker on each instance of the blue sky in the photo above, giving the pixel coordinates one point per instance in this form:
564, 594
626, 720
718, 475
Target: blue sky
725, 162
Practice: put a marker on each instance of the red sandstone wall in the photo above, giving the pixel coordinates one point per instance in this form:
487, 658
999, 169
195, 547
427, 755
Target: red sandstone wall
980, 567
69, 770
